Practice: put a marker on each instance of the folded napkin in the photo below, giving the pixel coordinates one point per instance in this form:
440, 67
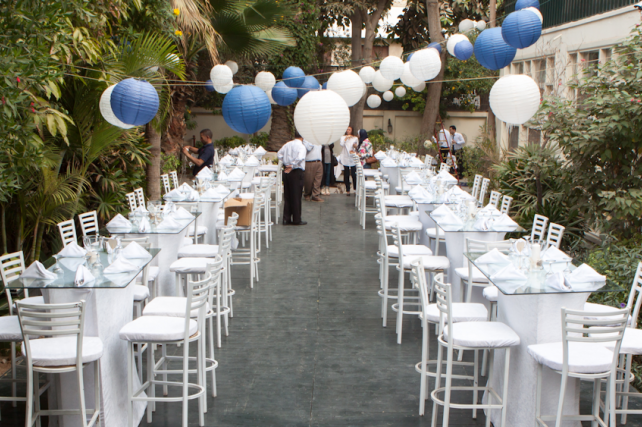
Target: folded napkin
120, 265
380, 155
493, 256
83, 276
415, 162
260, 151
222, 176
504, 222
210, 194
205, 173
72, 250
413, 178
168, 223
482, 223
458, 192
444, 215
175, 195
182, 213
252, 161
388, 163
37, 271
227, 160
239, 162
490, 209
584, 273
189, 193
403, 163
134, 250
557, 281
144, 226
119, 222
71, 264
169, 208
554, 254
419, 194
446, 177
141, 209
508, 273
236, 175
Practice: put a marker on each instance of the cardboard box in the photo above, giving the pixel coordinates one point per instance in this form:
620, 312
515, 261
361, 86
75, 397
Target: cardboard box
243, 207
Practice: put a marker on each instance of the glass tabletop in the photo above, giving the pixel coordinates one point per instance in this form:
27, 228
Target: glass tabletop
535, 282
65, 278
183, 224
469, 226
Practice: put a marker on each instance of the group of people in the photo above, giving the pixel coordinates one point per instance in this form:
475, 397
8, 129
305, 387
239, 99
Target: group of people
452, 142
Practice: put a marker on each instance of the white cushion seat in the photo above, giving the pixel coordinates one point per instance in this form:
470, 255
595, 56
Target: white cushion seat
190, 265
200, 230
204, 251
478, 276
372, 185
462, 312
482, 335
156, 329
152, 274
491, 293
583, 357
430, 262
432, 233
61, 351
170, 307
10, 329
398, 201
631, 342
393, 251
186, 241
141, 293
405, 223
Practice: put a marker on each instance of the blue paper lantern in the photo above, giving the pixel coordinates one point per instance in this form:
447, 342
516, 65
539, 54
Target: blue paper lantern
293, 77
408, 58
246, 109
310, 83
325, 86
134, 102
435, 45
283, 95
521, 29
209, 86
492, 51
463, 50
522, 4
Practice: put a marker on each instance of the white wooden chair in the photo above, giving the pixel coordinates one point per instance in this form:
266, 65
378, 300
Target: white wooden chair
132, 201
444, 167
174, 177
476, 186
140, 196
165, 182
555, 233
494, 198
245, 256
482, 191
506, 202
88, 223
539, 228
67, 231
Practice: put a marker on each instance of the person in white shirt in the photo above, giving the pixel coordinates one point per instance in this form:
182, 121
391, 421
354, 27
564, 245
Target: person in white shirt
292, 155
349, 143
313, 172
458, 144
445, 144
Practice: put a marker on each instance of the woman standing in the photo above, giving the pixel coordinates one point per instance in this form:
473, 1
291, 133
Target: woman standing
349, 143
328, 156
365, 149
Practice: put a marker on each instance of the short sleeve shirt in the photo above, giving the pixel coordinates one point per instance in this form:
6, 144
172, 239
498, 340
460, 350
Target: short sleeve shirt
205, 153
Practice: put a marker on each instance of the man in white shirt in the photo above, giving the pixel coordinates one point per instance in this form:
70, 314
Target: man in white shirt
458, 143
292, 155
313, 172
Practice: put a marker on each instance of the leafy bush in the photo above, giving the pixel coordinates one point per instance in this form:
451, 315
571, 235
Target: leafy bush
229, 142
170, 162
480, 157
260, 139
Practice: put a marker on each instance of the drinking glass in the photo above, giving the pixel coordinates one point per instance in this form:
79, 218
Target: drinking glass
57, 268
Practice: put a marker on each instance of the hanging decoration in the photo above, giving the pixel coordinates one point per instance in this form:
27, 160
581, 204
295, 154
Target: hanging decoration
309, 83
209, 86
400, 92
269, 95
515, 99
523, 4
420, 87
425, 64
265, 80
348, 85
480, 25
466, 25
293, 77
492, 51
388, 96
324, 86
246, 109
367, 74
452, 42
391, 67
434, 45
321, 117
373, 101
283, 95
233, 66
106, 111
221, 75
134, 102
407, 78
463, 50
536, 12
224, 88
380, 83
521, 29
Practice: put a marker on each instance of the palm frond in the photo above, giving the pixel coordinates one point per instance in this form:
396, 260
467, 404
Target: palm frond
194, 17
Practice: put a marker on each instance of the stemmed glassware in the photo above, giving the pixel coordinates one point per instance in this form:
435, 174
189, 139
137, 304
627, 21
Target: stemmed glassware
57, 268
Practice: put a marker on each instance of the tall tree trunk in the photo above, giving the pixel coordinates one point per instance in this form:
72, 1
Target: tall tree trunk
492, 131
357, 52
153, 168
172, 141
3, 220
281, 128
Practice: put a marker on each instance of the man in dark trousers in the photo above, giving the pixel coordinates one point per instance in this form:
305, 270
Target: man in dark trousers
205, 153
292, 155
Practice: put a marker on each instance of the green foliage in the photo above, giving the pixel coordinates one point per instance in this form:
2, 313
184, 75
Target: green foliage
229, 142
260, 139
170, 162
481, 157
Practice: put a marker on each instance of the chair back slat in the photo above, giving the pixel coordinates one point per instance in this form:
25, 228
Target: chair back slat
132, 201
555, 234
506, 202
174, 177
494, 198
539, 228
67, 231
482, 191
88, 223
165, 181
140, 196
476, 185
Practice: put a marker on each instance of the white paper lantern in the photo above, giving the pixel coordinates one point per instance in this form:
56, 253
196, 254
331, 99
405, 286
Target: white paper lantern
233, 66
373, 101
388, 96
265, 80
106, 111
480, 25
401, 91
348, 85
515, 99
380, 83
425, 64
452, 41
420, 87
391, 67
221, 75
466, 25
407, 78
269, 94
321, 117
536, 12
224, 88
367, 74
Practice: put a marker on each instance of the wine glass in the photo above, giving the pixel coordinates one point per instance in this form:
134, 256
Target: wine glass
57, 268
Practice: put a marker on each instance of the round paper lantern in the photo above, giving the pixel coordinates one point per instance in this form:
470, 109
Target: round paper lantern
391, 67
400, 92
365, 90
283, 95
420, 87
265, 80
293, 77
388, 96
134, 102
515, 98
246, 109
480, 25
521, 29
523, 4
224, 88
324, 86
452, 42
221, 75
466, 25
463, 50
373, 101
425, 64
233, 66
269, 95
106, 111
209, 86
321, 117
434, 45
407, 78
380, 83
348, 85
492, 51
536, 12
367, 74
310, 83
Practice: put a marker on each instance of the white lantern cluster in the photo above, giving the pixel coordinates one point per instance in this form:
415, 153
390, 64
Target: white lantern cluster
348, 85
515, 99
367, 74
221, 76
408, 78
391, 68
380, 83
321, 117
425, 64
233, 66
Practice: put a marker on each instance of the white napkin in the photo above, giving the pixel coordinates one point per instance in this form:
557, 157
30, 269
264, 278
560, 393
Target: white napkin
168, 223
493, 256
554, 254
584, 273
380, 155
446, 177
445, 216
141, 209
240, 162
260, 151
174, 195
210, 194
205, 173
490, 209
120, 265
458, 192
144, 226
227, 160
119, 222
71, 264
236, 175
83, 275
182, 213
413, 178
252, 161
415, 162
419, 194
37, 271
508, 273
388, 163
482, 223
189, 193
222, 176
557, 281
134, 250
504, 222
167, 208
72, 250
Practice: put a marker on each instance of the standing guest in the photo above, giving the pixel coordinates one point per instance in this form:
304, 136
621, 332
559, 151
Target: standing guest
292, 155
328, 156
458, 145
349, 143
313, 172
205, 153
365, 149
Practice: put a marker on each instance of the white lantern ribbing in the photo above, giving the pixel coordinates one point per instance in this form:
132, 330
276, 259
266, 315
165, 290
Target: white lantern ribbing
391, 67
420, 87
265, 80
348, 85
107, 112
233, 66
480, 25
380, 83
452, 41
425, 64
321, 117
515, 99
466, 25
388, 96
367, 74
400, 92
269, 94
373, 101
221, 75
407, 78
224, 88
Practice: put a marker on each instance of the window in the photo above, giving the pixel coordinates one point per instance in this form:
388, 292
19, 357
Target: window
539, 72
589, 62
605, 55
534, 136
573, 69
518, 68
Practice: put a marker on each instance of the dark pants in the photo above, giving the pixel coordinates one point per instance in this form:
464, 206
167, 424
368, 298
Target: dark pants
347, 171
292, 192
327, 170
